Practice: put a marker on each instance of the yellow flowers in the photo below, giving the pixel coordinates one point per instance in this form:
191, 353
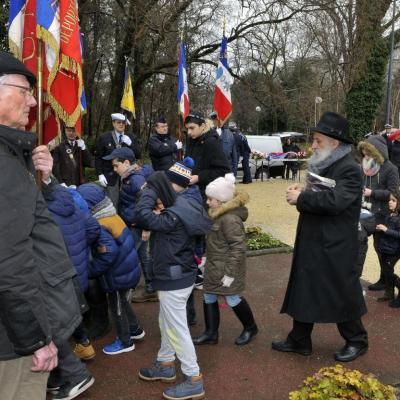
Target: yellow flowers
339, 383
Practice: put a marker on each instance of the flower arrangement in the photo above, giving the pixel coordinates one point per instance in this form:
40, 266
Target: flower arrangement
298, 155
257, 155
301, 154
340, 383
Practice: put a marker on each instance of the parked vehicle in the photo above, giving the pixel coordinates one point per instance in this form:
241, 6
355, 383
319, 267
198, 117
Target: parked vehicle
297, 136
263, 169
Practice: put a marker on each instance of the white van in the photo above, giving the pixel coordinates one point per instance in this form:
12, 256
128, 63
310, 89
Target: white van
264, 169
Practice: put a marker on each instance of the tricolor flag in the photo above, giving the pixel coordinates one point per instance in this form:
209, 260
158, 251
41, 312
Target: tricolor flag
224, 80
128, 101
183, 94
56, 24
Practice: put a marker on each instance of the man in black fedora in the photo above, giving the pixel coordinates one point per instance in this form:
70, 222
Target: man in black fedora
324, 286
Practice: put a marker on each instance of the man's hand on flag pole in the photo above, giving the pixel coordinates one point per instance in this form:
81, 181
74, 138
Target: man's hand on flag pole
43, 162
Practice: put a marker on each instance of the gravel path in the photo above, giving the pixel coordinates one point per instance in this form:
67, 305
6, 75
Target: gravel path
269, 209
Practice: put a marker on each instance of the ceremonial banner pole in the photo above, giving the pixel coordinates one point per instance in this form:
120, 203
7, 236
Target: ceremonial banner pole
39, 119
180, 117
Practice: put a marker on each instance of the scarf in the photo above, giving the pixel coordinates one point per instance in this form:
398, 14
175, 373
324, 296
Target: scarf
319, 167
370, 167
131, 169
104, 209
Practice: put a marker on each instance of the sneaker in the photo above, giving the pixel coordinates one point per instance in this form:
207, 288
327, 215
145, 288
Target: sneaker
52, 389
84, 351
161, 371
191, 388
138, 334
117, 347
71, 390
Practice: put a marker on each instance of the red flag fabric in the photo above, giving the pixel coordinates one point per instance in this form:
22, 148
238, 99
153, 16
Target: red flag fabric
66, 89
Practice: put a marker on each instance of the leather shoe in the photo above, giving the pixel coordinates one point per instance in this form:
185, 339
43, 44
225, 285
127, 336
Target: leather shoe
377, 286
289, 347
350, 352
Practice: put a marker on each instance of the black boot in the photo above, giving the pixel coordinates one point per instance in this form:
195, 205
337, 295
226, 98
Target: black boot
396, 302
379, 285
211, 318
388, 295
245, 315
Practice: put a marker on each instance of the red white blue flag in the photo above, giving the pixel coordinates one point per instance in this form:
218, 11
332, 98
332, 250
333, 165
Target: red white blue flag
224, 80
183, 94
56, 24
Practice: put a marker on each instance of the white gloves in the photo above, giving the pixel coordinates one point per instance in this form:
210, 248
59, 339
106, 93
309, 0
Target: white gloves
126, 139
178, 144
227, 281
80, 143
103, 180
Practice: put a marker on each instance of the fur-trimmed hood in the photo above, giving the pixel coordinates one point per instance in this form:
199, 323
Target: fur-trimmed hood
376, 146
237, 204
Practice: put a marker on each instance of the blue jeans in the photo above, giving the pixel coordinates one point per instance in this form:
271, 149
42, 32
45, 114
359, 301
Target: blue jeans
143, 250
232, 300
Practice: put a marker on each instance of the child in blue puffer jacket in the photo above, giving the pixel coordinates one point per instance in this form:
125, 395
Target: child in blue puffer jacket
133, 178
79, 232
116, 260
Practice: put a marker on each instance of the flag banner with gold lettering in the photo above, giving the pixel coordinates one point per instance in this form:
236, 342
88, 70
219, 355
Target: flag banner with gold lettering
58, 27
56, 24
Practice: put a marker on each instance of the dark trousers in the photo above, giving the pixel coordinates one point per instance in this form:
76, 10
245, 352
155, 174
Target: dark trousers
388, 263
361, 255
80, 334
190, 309
123, 316
246, 168
143, 250
377, 236
70, 368
353, 332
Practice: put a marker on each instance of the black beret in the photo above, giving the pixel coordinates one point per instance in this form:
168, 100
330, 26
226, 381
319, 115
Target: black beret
11, 65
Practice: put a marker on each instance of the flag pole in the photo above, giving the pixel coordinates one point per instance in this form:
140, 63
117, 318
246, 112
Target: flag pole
39, 120
180, 152
224, 26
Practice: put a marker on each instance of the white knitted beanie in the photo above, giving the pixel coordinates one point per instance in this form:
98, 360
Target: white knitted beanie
222, 189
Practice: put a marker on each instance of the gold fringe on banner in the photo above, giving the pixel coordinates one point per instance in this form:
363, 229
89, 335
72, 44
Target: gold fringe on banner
69, 65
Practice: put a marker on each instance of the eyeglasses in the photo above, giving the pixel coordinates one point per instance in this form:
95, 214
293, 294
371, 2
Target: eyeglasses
27, 90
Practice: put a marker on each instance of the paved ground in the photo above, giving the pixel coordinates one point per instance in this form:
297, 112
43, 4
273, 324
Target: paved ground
252, 372
269, 209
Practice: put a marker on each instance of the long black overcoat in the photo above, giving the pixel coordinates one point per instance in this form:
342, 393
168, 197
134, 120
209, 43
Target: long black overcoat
324, 285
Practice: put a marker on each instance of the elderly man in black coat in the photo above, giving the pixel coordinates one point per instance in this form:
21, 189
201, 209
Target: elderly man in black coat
324, 284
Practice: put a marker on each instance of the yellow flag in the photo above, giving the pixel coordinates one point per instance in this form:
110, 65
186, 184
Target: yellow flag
128, 102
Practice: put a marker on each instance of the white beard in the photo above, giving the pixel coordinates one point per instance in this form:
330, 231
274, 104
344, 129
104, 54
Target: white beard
320, 155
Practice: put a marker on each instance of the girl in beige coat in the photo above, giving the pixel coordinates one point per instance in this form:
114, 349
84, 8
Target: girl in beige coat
225, 269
